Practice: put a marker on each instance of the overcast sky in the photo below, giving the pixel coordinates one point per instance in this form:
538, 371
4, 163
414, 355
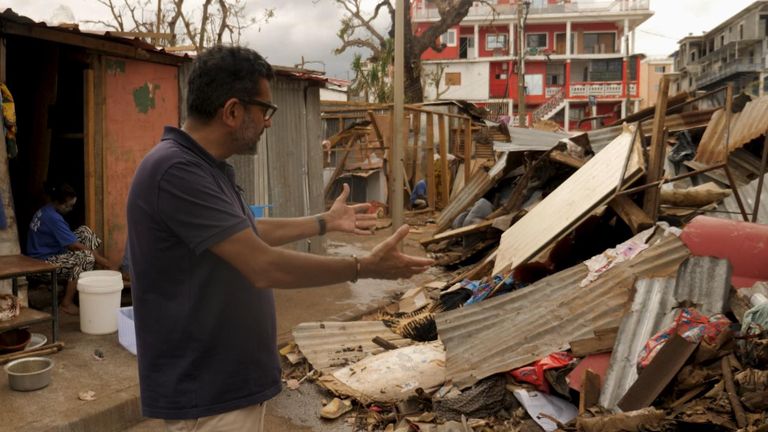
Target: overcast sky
308, 27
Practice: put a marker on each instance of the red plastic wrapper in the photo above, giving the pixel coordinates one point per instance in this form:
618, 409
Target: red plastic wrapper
534, 374
691, 325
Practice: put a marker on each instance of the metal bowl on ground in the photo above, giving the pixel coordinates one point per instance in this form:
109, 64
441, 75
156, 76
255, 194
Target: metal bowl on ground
14, 340
31, 373
36, 341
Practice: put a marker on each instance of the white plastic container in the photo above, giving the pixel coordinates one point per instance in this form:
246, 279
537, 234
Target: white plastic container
101, 273
99, 303
126, 333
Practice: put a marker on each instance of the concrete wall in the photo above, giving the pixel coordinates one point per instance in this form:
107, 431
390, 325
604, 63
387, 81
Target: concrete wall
141, 98
650, 78
474, 82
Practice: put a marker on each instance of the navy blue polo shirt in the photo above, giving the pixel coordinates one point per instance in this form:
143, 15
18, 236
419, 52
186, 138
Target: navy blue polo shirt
205, 336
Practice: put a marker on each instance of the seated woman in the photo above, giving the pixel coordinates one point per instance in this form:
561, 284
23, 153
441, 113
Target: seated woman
51, 239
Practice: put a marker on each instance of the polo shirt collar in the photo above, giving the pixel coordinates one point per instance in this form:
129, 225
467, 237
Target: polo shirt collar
179, 136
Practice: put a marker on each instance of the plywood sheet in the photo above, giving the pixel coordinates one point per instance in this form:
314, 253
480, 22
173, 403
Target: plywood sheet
588, 188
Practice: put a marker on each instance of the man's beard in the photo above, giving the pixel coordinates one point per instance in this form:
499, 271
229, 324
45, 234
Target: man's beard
248, 139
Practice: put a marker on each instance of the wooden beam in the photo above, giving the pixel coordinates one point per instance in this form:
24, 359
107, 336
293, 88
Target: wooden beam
90, 147
430, 155
566, 159
180, 48
733, 396
590, 390
375, 126
148, 35
415, 108
657, 151
416, 169
631, 213
94, 42
602, 342
467, 150
339, 166
445, 175
459, 232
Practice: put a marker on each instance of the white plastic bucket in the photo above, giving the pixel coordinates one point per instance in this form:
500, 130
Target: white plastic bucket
99, 303
101, 273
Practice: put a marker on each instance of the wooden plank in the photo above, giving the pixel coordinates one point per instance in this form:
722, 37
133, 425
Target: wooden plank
90, 148
631, 213
416, 169
26, 317
376, 129
600, 343
482, 226
339, 166
733, 396
567, 206
445, 175
96, 43
590, 391
467, 149
430, 155
658, 374
566, 159
657, 151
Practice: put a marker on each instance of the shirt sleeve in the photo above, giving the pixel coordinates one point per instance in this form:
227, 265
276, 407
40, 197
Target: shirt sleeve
197, 207
61, 231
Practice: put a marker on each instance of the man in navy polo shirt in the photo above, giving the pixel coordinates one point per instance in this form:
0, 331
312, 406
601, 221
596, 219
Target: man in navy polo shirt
203, 269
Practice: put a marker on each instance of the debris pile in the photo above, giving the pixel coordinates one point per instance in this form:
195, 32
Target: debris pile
588, 287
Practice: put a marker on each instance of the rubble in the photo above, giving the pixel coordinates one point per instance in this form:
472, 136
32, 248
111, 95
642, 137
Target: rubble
588, 288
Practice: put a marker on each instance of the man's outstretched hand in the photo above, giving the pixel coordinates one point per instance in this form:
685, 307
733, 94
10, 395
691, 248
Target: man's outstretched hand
349, 218
387, 262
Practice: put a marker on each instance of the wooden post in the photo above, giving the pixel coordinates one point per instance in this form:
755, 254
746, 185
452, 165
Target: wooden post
90, 148
445, 175
416, 169
406, 132
759, 193
467, 151
430, 155
657, 152
396, 210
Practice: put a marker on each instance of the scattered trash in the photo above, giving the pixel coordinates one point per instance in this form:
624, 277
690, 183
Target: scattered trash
88, 395
336, 408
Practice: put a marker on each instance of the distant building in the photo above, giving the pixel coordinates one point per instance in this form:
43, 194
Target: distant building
651, 71
335, 90
733, 52
580, 57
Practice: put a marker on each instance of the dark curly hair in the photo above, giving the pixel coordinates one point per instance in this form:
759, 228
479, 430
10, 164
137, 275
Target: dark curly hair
221, 73
59, 192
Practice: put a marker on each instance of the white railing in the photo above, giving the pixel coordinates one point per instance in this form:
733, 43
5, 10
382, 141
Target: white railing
596, 89
551, 91
575, 7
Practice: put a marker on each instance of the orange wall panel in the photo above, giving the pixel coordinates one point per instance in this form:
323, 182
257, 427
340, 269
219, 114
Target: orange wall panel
141, 98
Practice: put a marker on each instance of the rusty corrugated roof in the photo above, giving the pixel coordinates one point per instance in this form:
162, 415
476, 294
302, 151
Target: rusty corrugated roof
516, 329
750, 123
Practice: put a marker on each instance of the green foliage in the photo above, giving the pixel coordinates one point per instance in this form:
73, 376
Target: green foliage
372, 77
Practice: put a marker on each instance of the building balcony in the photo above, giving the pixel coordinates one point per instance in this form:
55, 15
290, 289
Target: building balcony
482, 10
729, 69
604, 89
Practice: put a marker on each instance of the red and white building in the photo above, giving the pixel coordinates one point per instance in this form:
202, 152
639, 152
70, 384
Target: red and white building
580, 58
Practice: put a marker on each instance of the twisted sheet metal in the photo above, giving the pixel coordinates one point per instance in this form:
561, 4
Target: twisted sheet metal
705, 281
518, 328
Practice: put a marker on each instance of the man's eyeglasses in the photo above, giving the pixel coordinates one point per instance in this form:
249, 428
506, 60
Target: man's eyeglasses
269, 109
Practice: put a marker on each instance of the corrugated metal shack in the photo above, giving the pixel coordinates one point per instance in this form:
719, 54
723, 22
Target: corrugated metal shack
89, 107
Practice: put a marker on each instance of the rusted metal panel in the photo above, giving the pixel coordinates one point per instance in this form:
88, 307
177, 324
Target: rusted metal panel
516, 329
332, 345
140, 99
745, 126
